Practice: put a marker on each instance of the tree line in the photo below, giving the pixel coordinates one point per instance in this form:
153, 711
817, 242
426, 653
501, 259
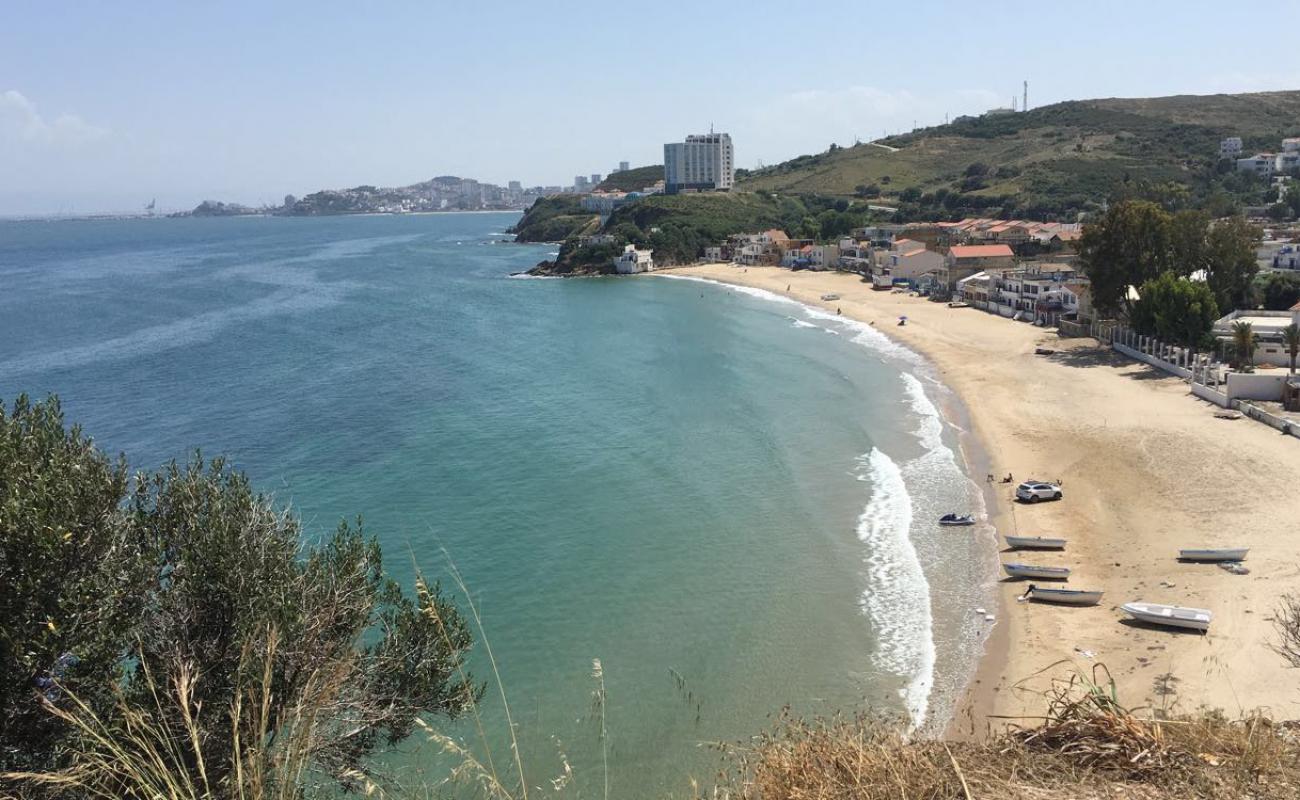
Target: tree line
1170, 274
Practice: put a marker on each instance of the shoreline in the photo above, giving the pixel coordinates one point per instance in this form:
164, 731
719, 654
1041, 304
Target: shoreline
1147, 469
950, 675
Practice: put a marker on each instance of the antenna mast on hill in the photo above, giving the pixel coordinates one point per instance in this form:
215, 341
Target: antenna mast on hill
1024, 105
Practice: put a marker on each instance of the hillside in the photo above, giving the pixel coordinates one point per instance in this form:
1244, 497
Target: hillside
554, 219
1051, 161
679, 227
630, 180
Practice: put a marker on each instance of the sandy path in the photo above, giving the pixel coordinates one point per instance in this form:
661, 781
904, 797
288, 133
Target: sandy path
1147, 470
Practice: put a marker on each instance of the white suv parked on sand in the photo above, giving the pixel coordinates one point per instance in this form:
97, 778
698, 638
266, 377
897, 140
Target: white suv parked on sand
1033, 491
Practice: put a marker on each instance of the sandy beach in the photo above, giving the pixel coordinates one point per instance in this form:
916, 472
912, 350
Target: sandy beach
1147, 469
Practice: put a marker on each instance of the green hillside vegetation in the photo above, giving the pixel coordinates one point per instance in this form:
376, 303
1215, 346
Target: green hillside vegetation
1055, 161
554, 219
631, 180
679, 227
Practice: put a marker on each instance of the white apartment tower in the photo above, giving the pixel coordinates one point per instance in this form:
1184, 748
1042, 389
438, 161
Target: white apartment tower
704, 162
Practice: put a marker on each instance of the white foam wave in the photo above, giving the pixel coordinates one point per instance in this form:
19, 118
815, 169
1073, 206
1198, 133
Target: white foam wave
898, 595
798, 323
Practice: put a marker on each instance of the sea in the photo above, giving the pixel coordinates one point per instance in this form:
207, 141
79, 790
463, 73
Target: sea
726, 498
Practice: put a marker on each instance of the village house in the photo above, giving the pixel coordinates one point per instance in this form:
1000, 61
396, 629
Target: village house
855, 255
963, 261
633, 261
906, 260
759, 249
1036, 292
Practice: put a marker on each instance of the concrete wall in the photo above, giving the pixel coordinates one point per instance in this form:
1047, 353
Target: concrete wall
1172, 369
1254, 386
1214, 396
1257, 413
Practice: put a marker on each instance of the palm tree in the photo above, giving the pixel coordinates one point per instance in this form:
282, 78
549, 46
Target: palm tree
1291, 338
1244, 342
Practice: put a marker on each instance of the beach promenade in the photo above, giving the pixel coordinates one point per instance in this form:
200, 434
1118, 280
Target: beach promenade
1147, 470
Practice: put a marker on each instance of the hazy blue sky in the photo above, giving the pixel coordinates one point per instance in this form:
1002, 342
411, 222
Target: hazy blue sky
104, 105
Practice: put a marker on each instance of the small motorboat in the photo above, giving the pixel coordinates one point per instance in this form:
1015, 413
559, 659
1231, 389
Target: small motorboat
1065, 597
1214, 555
1034, 543
829, 297
1041, 573
1197, 619
956, 519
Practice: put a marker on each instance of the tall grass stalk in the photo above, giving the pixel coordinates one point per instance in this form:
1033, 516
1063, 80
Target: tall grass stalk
598, 707
496, 673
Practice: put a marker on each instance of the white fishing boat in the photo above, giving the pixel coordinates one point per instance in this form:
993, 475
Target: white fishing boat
1032, 571
1034, 543
1065, 597
956, 519
1197, 619
1214, 555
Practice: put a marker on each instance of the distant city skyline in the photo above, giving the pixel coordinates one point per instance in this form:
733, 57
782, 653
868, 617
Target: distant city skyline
115, 104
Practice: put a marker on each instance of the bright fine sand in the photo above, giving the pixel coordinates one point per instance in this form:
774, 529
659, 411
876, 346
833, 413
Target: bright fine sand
1147, 470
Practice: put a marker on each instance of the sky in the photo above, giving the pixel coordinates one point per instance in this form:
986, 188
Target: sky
104, 106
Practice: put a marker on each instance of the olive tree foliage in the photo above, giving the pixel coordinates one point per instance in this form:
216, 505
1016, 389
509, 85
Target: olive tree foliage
1136, 241
1176, 310
118, 584
74, 576
1128, 246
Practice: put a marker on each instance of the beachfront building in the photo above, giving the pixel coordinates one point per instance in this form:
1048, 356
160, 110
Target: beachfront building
974, 290
817, 257
717, 254
1230, 148
703, 163
965, 260
1036, 292
855, 255
759, 249
1267, 325
907, 260
632, 261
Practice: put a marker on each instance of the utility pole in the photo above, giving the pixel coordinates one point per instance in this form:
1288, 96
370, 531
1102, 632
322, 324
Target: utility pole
1024, 106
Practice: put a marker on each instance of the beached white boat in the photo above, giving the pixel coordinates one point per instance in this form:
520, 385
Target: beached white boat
1065, 597
1032, 571
1034, 543
1197, 619
1214, 554
956, 519
829, 297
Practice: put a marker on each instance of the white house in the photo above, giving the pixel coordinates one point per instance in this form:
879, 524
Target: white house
633, 260
1260, 164
1230, 147
1267, 325
1288, 257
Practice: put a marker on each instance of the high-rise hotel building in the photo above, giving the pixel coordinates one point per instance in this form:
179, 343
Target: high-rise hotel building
704, 162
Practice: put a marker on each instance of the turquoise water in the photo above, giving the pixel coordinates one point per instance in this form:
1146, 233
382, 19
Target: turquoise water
726, 498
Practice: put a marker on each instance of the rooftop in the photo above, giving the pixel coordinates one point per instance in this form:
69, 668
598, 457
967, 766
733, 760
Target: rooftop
980, 251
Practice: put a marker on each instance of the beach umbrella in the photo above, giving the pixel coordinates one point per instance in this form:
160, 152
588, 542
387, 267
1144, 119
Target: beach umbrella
902, 316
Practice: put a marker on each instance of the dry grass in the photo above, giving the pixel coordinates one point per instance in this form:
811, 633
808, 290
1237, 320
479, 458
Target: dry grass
1087, 746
